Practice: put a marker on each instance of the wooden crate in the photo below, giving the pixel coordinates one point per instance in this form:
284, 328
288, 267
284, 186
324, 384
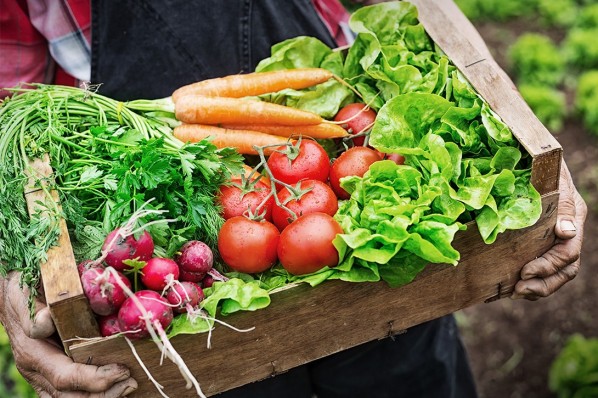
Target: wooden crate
304, 323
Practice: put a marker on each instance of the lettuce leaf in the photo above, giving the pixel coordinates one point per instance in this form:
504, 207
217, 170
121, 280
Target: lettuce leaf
231, 296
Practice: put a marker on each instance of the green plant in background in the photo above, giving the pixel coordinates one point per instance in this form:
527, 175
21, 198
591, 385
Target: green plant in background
580, 45
12, 384
496, 10
535, 59
586, 99
574, 372
548, 104
561, 13
588, 17
581, 48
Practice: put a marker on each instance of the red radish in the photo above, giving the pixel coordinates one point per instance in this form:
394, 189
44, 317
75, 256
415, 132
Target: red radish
159, 272
195, 277
184, 294
195, 256
119, 248
132, 314
207, 281
87, 264
103, 291
109, 325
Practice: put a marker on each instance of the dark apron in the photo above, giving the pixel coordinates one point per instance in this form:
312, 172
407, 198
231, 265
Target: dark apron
145, 49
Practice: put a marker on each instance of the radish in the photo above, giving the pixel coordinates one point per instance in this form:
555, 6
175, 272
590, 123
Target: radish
195, 277
145, 306
207, 281
87, 264
103, 291
159, 272
118, 247
109, 325
184, 295
195, 256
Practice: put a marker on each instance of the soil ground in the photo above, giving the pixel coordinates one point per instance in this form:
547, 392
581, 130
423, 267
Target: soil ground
511, 344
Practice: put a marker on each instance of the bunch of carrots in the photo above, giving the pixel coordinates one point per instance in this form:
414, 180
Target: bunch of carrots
217, 108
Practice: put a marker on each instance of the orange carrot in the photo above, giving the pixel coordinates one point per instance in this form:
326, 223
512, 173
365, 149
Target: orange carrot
217, 110
242, 140
256, 83
254, 175
319, 131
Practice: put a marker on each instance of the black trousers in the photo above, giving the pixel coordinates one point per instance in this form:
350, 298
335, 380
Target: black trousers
428, 361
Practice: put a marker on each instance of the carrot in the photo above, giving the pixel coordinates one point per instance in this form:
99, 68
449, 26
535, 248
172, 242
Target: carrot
254, 175
242, 140
256, 83
319, 131
216, 110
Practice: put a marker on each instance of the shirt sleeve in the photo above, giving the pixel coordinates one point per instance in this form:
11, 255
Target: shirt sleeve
66, 25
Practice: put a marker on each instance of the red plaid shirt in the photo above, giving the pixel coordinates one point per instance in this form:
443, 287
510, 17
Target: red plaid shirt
48, 41
44, 41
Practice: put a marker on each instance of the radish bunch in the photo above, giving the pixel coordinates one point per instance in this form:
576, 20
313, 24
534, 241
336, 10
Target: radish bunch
169, 285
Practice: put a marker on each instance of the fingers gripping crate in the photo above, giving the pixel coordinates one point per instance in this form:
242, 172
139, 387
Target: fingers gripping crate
304, 323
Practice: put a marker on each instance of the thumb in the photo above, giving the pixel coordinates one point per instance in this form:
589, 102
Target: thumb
566, 227
43, 325
38, 327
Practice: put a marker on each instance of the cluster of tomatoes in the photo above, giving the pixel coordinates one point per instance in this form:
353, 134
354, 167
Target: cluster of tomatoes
288, 218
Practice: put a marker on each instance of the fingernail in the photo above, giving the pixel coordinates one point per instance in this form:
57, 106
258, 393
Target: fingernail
124, 376
567, 225
516, 296
129, 390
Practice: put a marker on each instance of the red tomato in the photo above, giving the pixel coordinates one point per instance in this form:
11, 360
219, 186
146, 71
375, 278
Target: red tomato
310, 162
355, 119
235, 202
320, 198
353, 162
247, 245
306, 244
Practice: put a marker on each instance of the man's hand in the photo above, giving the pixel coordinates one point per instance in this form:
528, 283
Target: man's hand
42, 361
546, 274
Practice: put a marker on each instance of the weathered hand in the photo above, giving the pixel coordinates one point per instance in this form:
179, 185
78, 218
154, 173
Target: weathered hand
42, 361
546, 274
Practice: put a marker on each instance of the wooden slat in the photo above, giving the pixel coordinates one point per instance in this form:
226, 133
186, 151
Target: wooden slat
457, 37
61, 284
303, 323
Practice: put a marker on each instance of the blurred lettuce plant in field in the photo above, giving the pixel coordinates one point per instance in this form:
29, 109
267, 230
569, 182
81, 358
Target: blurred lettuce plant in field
588, 16
535, 59
586, 99
574, 372
496, 10
561, 13
580, 45
548, 104
12, 384
580, 48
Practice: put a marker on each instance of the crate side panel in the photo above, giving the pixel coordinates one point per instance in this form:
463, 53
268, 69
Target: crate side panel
60, 279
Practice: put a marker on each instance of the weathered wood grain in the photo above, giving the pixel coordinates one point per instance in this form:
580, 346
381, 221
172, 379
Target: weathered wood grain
61, 284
